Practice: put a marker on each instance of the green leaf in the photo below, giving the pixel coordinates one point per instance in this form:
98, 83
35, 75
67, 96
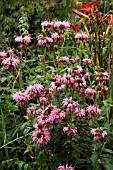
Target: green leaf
26, 166
3, 79
20, 164
107, 150
27, 150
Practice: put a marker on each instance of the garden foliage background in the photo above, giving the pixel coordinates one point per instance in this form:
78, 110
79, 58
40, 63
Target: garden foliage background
37, 65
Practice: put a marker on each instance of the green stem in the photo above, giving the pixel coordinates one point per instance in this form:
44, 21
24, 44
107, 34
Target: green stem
4, 133
14, 140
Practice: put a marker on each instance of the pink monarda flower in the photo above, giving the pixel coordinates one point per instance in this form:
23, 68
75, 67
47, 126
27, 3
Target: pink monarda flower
81, 36
54, 114
49, 115
43, 40
35, 89
89, 92
101, 75
3, 54
11, 62
101, 89
61, 25
70, 131
67, 167
41, 120
68, 79
63, 59
26, 39
79, 112
55, 37
32, 110
74, 60
86, 61
106, 74
79, 82
77, 70
41, 135
49, 39
19, 96
57, 24
66, 24
98, 133
57, 77
92, 111
19, 39
43, 100
70, 104
56, 86
47, 23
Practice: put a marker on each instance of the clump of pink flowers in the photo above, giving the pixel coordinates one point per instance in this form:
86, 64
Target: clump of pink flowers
81, 36
101, 89
11, 62
26, 39
56, 86
48, 25
92, 111
56, 37
50, 114
70, 131
101, 76
67, 167
70, 104
98, 133
44, 40
40, 134
21, 96
89, 92
32, 110
86, 61
35, 89
63, 59
61, 24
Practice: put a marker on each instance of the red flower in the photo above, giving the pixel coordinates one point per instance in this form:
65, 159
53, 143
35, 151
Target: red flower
75, 27
79, 13
88, 7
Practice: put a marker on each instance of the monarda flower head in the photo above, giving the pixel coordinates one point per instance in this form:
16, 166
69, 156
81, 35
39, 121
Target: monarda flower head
26, 39
70, 131
67, 167
11, 62
86, 61
41, 135
44, 40
47, 24
61, 25
3, 54
98, 133
21, 96
56, 86
32, 110
35, 89
81, 36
